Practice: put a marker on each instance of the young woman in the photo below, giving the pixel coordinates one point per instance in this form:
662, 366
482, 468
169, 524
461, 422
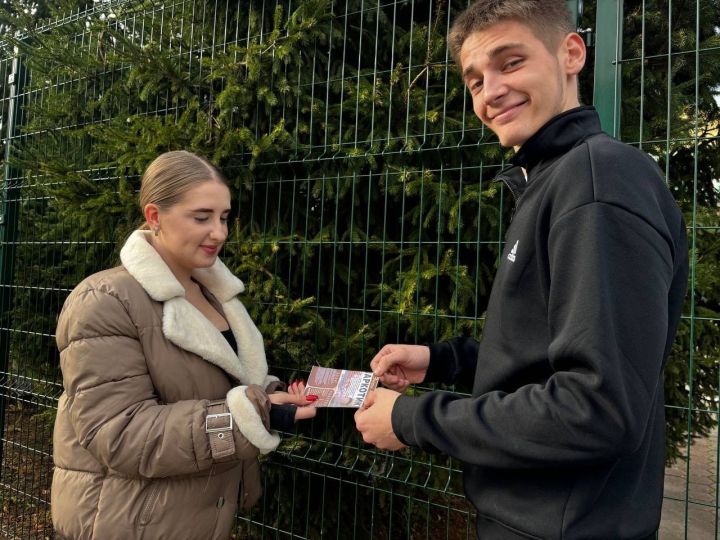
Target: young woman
167, 398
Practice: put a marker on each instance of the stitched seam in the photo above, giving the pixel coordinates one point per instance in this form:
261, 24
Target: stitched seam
192, 440
569, 213
566, 506
80, 471
97, 509
147, 438
593, 176
86, 388
509, 527
611, 205
100, 336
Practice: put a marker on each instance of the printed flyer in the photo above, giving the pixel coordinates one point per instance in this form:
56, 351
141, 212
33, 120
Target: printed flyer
339, 387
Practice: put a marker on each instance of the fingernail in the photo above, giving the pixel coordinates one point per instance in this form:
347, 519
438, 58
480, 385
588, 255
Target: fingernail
302, 381
311, 397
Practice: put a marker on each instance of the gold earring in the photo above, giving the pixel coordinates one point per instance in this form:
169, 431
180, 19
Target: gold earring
156, 230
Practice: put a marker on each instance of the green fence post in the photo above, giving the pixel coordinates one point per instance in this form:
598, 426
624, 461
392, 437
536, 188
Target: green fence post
575, 7
8, 233
608, 48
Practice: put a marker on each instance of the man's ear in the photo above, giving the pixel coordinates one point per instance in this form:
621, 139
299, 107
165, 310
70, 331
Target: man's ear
574, 58
152, 215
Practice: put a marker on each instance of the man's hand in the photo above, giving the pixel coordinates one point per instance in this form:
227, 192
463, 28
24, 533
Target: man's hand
373, 420
399, 366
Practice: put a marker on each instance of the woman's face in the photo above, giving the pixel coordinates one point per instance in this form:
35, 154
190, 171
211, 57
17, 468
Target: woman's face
193, 230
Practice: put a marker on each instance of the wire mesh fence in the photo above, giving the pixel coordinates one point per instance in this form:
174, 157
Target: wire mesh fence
366, 213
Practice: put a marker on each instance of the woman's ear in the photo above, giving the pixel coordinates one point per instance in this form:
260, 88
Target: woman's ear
575, 53
152, 215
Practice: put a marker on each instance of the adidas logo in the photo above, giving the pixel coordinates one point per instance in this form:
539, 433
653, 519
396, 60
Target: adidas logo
513, 252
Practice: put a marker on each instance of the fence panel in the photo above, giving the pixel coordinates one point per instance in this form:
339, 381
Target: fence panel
665, 99
366, 214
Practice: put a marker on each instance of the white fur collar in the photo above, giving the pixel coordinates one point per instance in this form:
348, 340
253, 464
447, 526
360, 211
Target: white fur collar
185, 326
147, 267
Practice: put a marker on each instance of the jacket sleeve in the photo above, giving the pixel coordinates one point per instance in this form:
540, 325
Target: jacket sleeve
452, 359
607, 312
113, 407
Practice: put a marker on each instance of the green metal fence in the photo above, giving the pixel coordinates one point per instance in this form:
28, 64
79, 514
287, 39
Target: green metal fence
366, 214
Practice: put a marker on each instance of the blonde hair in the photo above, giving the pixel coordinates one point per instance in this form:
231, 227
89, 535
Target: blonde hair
170, 175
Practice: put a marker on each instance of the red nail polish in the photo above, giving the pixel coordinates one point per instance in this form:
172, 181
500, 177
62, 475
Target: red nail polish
311, 397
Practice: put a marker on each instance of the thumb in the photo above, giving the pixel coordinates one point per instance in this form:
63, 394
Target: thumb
381, 365
369, 399
304, 413
381, 362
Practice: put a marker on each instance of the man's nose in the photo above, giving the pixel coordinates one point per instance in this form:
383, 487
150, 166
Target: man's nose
494, 88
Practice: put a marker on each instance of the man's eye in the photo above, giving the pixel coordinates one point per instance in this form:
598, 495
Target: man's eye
476, 85
513, 63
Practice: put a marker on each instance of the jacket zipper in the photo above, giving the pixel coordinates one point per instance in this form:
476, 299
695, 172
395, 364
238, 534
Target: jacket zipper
149, 505
516, 197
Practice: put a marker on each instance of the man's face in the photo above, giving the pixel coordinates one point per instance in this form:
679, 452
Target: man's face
516, 83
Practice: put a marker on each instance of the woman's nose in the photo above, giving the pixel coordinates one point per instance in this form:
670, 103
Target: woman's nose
219, 230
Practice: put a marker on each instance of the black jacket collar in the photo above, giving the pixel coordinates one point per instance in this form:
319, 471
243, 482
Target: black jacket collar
557, 136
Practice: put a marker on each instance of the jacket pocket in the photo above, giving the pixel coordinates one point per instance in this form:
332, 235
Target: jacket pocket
148, 505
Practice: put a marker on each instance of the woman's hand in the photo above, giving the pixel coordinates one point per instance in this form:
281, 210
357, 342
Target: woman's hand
295, 396
297, 387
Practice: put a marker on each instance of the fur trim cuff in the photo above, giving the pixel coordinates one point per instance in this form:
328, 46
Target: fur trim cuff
249, 422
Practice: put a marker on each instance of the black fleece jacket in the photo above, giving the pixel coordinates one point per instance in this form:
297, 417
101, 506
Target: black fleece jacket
563, 436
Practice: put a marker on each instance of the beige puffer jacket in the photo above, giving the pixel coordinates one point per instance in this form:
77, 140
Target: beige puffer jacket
142, 371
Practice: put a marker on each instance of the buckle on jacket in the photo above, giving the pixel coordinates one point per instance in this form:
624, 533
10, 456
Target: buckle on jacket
227, 427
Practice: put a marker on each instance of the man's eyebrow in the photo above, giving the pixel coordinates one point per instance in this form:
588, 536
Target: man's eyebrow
497, 51
494, 53
467, 71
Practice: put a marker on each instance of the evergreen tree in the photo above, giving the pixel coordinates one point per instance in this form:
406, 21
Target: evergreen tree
365, 206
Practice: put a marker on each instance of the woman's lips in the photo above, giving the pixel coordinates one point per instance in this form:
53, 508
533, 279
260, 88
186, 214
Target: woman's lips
210, 250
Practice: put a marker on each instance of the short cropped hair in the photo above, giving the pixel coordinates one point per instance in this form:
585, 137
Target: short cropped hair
549, 20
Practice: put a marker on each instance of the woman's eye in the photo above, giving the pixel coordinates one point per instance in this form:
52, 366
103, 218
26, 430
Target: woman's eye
201, 219
224, 219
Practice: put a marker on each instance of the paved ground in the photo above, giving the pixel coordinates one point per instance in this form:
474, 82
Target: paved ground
699, 487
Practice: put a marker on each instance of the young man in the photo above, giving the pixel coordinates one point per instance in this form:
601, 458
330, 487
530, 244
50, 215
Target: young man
563, 436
